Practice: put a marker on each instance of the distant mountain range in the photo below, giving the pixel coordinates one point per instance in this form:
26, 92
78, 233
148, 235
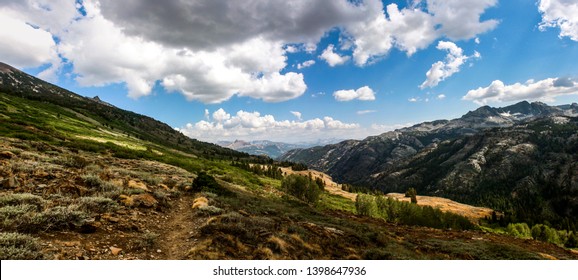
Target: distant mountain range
270, 148
522, 159
343, 160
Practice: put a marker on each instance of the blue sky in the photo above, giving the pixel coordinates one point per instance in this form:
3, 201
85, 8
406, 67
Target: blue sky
298, 70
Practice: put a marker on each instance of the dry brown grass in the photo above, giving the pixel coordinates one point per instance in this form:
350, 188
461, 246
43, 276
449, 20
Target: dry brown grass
447, 205
200, 202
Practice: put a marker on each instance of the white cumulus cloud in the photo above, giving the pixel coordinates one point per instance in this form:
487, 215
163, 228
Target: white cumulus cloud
212, 50
415, 27
102, 52
296, 114
305, 64
460, 19
543, 90
561, 14
363, 93
332, 58
255, 126
442, 70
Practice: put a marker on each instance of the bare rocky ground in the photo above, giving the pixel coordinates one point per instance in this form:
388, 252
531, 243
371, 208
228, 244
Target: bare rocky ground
86, 206
134, 209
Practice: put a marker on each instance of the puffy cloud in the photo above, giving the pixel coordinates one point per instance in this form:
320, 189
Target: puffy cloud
23, 45
218, 23
561, 14
102, 53
544, 90
363, 93
306, 64
211, 50
332, 58
221, 116
407, 29
441, 96
442, 70
411, 29
254, 126
459, 19
413, 99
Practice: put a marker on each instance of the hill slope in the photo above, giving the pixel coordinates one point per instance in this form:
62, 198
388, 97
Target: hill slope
100, 114
73, 186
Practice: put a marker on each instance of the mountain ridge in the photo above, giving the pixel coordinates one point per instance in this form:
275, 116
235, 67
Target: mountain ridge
18, 83
484, 158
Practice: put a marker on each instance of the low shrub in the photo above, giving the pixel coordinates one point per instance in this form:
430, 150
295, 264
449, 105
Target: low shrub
146, 241
16, 246
520, 230
97, 204
209, 210
22, 198
58, 218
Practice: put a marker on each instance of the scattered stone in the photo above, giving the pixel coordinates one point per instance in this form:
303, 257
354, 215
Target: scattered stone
159, 251
114, 250
7, 154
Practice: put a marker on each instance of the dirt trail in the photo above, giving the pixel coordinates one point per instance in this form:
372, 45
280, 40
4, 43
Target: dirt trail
176, 237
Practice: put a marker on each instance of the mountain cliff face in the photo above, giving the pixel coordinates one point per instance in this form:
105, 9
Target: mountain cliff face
521, 159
